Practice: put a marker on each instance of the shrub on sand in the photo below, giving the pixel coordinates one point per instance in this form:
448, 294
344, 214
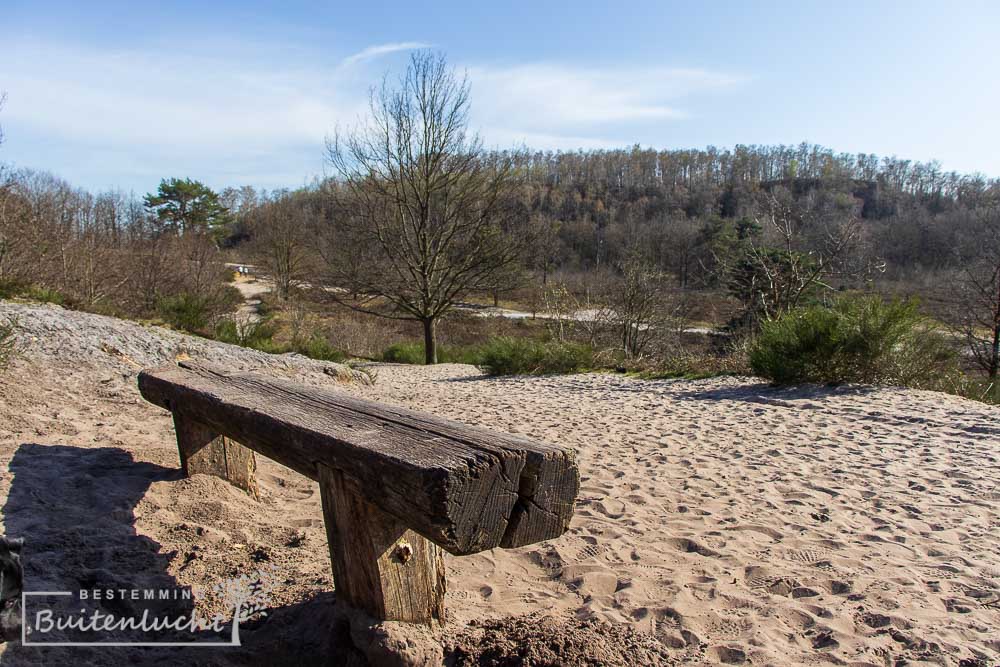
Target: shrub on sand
319, 348
413, 353
404, 353
524, 356
259, 335
185, 311
864, 340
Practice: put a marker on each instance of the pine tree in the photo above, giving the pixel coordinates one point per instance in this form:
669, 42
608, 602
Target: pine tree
183, 205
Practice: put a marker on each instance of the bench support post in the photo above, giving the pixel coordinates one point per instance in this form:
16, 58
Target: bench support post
204, 451
379, 566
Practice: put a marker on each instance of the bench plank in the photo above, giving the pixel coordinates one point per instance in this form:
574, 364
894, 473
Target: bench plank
464, 488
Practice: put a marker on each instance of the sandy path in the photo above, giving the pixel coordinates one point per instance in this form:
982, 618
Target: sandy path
733, 522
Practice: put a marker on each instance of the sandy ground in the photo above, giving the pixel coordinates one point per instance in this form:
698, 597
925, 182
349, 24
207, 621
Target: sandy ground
724, 521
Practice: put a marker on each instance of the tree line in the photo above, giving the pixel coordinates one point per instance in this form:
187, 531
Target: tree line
110, 252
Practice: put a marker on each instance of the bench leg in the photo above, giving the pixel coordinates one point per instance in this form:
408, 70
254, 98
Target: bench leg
379, 566
204, 451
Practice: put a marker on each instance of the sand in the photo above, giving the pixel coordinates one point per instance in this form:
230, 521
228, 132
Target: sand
719, 521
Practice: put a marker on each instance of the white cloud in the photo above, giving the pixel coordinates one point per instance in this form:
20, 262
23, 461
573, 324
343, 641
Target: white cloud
103, 117
150, 100
380, 50
549, 98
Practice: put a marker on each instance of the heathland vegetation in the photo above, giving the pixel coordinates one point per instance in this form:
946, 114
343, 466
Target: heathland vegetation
794, 262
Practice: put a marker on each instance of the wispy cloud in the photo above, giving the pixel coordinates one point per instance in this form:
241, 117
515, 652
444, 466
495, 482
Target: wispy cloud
373, 52
105, 117
558, 100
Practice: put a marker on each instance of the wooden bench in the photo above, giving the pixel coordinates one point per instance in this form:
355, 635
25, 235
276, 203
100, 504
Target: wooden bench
397, 485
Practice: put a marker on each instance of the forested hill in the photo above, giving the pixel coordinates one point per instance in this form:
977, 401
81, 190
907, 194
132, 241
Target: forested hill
695, 214
599, 203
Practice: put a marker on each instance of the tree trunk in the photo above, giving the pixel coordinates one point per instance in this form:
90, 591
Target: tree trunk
430, 342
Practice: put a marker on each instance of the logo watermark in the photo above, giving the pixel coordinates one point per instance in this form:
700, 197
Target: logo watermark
49, 615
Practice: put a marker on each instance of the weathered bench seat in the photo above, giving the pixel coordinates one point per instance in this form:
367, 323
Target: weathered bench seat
383, 471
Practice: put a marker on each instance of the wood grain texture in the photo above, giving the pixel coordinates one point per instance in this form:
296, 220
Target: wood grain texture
465, 488
379, 565
204, 451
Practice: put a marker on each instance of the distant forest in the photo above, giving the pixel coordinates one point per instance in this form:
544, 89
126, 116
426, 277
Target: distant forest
589, 209
915, 215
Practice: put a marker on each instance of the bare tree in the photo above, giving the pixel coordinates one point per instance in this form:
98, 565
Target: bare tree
548, 248
282, 243
780, 265
640, 307
637, 306
426, 214
561, 309
14, 233
677, 240
976, 293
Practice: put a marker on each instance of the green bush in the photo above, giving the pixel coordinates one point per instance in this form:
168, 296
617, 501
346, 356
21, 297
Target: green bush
319, 348
502, 356
524, 356
44, 294
696, 365
413, 353
978, 388
259, 335
254, 334
404, 353
864, 340
185, 311
10, 289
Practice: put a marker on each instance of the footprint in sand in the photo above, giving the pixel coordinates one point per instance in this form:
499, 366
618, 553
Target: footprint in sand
690, 546
837, 587
728, 655
614, 509
807, 556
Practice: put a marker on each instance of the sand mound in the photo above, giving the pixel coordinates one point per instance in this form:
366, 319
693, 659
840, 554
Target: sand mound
50, 333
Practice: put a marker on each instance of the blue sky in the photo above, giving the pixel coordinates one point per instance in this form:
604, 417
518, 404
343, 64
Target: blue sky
121, 94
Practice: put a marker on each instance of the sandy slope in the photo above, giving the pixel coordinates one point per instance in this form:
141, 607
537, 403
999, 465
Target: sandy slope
730, 521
